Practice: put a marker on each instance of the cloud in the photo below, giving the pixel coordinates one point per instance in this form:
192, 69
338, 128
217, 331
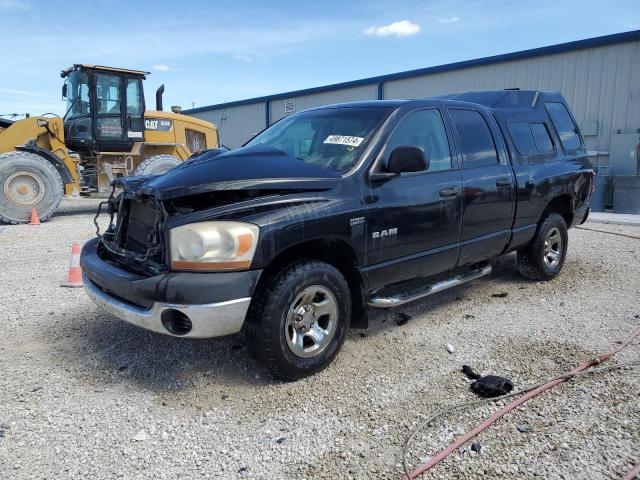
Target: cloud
449, 20
244, 58
20, 5
403, 28
161, 67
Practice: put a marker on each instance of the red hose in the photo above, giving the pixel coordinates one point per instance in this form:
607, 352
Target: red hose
633, 473
510, 406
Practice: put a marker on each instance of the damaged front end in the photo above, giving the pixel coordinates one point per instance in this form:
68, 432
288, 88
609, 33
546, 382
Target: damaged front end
135, 236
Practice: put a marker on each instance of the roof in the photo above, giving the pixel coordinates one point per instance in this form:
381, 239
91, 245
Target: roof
509, 99
616, 38
76, 66
363, 104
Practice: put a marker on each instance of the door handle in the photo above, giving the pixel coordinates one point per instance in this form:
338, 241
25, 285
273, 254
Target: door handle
449, 192
503, 182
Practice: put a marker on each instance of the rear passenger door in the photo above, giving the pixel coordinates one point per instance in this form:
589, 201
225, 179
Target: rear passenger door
488, 187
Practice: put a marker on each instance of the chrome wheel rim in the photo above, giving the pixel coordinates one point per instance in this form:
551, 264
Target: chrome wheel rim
23, 188
311, 321
552, 248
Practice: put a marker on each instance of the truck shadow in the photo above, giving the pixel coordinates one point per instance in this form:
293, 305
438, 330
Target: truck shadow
104, 349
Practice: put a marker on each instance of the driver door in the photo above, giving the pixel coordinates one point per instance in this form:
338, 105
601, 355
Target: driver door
413, 219
109, 113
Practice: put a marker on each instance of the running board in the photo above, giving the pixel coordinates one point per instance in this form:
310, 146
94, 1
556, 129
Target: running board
413, 295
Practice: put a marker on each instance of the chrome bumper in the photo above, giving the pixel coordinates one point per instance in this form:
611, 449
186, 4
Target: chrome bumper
208, 320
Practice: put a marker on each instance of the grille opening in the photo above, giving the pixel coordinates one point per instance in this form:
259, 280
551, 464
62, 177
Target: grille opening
176, 322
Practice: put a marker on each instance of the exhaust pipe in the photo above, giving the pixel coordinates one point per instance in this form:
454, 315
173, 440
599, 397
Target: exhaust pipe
159, 93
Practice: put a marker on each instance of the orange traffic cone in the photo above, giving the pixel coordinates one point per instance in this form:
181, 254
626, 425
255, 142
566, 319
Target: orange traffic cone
74, 278
34, 217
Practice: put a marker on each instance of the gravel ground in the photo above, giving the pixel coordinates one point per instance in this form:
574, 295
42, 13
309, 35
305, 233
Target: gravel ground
83, 395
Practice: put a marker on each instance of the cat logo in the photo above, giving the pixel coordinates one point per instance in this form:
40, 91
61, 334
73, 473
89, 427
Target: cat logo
385, 233
159, 124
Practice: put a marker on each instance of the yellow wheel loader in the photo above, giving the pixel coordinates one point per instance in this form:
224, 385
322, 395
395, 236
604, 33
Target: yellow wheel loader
105, 133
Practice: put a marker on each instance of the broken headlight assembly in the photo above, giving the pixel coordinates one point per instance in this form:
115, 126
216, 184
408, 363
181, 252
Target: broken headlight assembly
213, 246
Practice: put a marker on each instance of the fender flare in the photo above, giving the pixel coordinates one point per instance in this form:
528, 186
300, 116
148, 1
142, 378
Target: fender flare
62, 169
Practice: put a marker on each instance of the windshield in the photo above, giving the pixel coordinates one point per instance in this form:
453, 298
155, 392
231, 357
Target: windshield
331, 138
77, 95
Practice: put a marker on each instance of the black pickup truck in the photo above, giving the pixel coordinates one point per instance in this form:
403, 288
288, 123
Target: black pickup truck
338, 209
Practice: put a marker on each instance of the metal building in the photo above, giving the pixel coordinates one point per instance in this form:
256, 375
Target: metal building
600, 78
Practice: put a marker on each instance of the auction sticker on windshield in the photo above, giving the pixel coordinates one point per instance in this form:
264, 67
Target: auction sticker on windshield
344, 140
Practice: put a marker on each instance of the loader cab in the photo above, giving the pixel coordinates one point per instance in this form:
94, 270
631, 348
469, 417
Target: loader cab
105, 108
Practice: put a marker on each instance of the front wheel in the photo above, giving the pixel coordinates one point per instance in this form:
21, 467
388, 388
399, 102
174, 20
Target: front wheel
298, 319
544, 257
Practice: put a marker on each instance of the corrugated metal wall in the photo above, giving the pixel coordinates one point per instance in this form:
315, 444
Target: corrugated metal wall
366, 92
236, 124
602, 84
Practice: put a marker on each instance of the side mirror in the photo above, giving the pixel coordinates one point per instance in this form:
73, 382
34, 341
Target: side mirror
407, 159
64, 90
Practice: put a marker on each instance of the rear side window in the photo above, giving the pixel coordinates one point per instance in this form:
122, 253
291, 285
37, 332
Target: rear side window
541, 137
567, 130
530, 138
522, 137
424, 129
476, 141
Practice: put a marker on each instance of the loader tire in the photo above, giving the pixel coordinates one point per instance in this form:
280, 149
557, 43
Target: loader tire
157, 164
28, 181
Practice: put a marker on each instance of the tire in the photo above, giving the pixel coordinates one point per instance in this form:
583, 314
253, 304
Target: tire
28, 181
544, 257
290, 345
157, 164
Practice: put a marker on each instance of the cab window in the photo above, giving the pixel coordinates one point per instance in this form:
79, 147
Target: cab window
567, 130
108, 94
530, 138
541, 137
134, 99
423, 129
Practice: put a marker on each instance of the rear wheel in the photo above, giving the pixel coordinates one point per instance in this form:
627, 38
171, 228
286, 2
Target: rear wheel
157, 164
298, 319
544, 257
28, 181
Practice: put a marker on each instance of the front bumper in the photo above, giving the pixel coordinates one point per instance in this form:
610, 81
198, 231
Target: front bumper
197, 305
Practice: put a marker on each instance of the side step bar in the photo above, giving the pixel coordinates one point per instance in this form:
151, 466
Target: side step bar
406, 297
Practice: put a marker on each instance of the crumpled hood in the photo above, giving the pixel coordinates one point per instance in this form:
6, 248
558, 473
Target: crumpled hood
257, 167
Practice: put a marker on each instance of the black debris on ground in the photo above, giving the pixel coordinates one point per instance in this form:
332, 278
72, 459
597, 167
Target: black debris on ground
468, 371
492, 386
499, 295
476, 447
402, 319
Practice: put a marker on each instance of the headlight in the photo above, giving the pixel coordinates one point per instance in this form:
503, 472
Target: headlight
217, 245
